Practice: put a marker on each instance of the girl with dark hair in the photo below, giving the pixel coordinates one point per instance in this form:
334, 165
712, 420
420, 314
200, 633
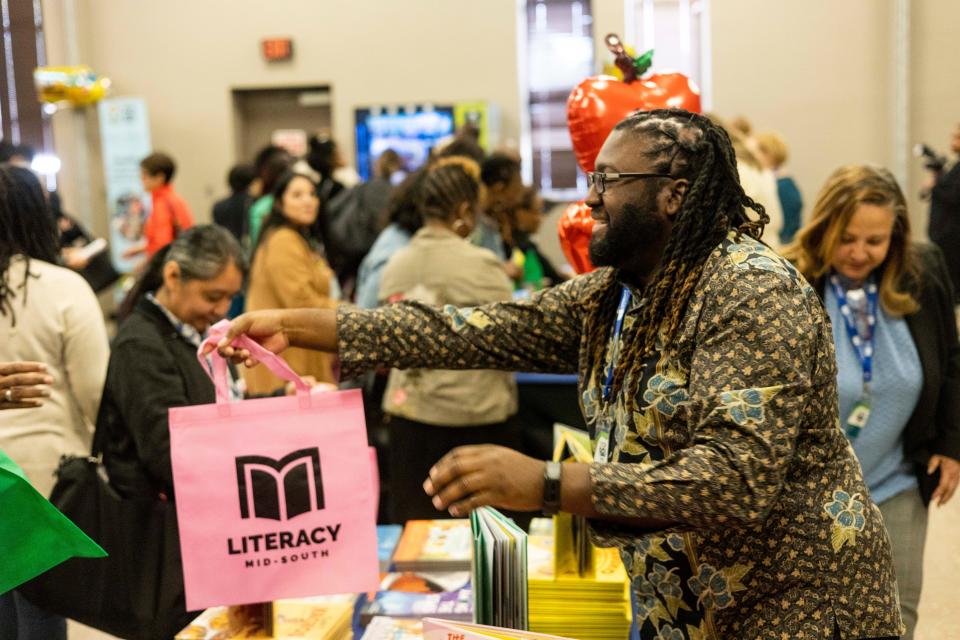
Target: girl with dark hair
288, 272
272, 164
186, 287
48, 314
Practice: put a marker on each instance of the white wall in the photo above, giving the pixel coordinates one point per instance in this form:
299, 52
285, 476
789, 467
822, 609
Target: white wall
186, 56
819, 71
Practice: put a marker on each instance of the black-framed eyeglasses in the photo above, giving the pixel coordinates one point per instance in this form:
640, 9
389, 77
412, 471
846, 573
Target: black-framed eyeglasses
599, 180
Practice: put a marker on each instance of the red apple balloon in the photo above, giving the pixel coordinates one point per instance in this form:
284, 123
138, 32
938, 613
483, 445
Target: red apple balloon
575, 228
594, 108
598, 103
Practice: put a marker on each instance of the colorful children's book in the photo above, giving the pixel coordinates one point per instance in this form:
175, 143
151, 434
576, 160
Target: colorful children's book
418, 594
216, 624
388, 535
499, 569
319, 618
434, 545
383, 628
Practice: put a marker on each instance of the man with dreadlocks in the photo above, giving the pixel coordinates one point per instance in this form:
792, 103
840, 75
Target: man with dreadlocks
708, 379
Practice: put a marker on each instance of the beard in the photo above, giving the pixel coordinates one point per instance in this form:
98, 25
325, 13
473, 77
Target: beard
625, 235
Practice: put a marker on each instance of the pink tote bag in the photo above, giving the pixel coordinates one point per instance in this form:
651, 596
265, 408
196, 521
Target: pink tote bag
275, 496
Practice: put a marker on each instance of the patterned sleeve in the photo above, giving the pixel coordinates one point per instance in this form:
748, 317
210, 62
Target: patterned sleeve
542, 334
753, 361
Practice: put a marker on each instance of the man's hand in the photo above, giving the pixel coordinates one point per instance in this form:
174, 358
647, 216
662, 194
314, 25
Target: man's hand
264, 327
486, 475
20, 384
949, 478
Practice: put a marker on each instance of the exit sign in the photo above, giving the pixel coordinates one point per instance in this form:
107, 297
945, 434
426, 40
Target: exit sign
277, 49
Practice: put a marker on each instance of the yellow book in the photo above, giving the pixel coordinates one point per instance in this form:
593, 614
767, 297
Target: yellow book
321, 618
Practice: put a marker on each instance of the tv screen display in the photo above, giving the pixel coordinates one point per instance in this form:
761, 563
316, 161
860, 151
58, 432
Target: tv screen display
411, 132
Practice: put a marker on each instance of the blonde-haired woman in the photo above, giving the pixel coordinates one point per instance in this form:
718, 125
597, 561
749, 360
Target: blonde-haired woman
772, 150
758, 181
898, 360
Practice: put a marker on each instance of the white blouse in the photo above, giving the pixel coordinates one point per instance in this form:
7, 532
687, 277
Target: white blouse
57, 321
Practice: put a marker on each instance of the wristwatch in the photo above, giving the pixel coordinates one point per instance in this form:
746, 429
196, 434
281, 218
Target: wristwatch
551, 488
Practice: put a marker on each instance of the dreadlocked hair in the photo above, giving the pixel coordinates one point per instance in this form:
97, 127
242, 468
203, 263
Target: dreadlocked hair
683, 145
449, 183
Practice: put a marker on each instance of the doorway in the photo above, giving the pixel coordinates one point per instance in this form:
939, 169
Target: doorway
285, 116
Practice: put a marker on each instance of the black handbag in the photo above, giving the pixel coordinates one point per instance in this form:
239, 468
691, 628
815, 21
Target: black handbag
136, 592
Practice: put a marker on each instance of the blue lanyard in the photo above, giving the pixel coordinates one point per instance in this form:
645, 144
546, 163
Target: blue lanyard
862, 345
617, 329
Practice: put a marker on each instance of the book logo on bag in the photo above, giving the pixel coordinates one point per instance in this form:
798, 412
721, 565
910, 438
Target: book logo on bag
280, 489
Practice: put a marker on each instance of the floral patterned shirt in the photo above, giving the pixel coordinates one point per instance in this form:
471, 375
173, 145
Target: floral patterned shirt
732, 434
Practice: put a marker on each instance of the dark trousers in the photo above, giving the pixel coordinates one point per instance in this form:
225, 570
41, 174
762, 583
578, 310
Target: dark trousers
20, 620
415, 447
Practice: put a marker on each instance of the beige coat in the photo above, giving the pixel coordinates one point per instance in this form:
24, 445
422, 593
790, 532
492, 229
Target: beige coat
288, 274
58, 323
440, 268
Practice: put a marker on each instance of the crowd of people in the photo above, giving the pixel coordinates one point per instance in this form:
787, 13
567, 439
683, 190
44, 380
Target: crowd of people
778, 389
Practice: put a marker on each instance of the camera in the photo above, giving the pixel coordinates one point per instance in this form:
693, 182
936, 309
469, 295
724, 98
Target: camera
931, 160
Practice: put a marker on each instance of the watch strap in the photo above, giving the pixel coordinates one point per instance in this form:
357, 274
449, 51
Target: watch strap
551, 488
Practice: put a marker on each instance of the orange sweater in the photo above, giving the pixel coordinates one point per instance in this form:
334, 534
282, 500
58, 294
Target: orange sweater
170, 216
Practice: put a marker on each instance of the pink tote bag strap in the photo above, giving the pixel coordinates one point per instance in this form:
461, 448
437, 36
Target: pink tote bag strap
270, 360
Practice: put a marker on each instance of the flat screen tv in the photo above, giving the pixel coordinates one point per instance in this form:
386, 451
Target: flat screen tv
410, 131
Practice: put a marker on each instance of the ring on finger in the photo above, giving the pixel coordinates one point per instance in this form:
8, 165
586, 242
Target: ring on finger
8, 395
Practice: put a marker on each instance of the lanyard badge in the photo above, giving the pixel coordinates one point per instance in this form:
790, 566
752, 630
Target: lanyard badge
601, 451
863, 346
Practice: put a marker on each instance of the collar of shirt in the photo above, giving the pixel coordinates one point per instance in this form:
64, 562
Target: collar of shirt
187, 332
636, 299
194, 337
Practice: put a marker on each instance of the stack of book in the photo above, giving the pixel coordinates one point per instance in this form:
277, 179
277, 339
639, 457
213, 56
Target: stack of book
593, 605
499, 570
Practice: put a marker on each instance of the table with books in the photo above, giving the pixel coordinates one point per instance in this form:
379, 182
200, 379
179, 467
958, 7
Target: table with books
440, 576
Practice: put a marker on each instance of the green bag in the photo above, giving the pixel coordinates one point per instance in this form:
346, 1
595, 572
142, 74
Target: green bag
34, 535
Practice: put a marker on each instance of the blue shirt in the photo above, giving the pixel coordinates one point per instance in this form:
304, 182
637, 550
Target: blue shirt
894, 392
391, 239
792, 204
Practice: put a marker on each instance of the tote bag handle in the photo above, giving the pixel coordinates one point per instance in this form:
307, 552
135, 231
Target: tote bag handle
270, 360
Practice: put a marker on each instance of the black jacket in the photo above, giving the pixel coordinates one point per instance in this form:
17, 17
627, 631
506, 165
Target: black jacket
231, 212
934, 426
152, 368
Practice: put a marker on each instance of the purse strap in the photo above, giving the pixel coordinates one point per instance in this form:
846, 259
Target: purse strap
267, 358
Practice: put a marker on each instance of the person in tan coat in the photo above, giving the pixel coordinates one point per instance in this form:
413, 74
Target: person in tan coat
289, 273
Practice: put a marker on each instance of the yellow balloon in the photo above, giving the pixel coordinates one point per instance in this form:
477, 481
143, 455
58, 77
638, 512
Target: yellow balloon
77, 85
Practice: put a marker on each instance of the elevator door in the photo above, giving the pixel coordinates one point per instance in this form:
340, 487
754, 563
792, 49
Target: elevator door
260, 113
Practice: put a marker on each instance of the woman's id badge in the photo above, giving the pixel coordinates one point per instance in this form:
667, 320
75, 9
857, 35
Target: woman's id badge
858, 417
601, 450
